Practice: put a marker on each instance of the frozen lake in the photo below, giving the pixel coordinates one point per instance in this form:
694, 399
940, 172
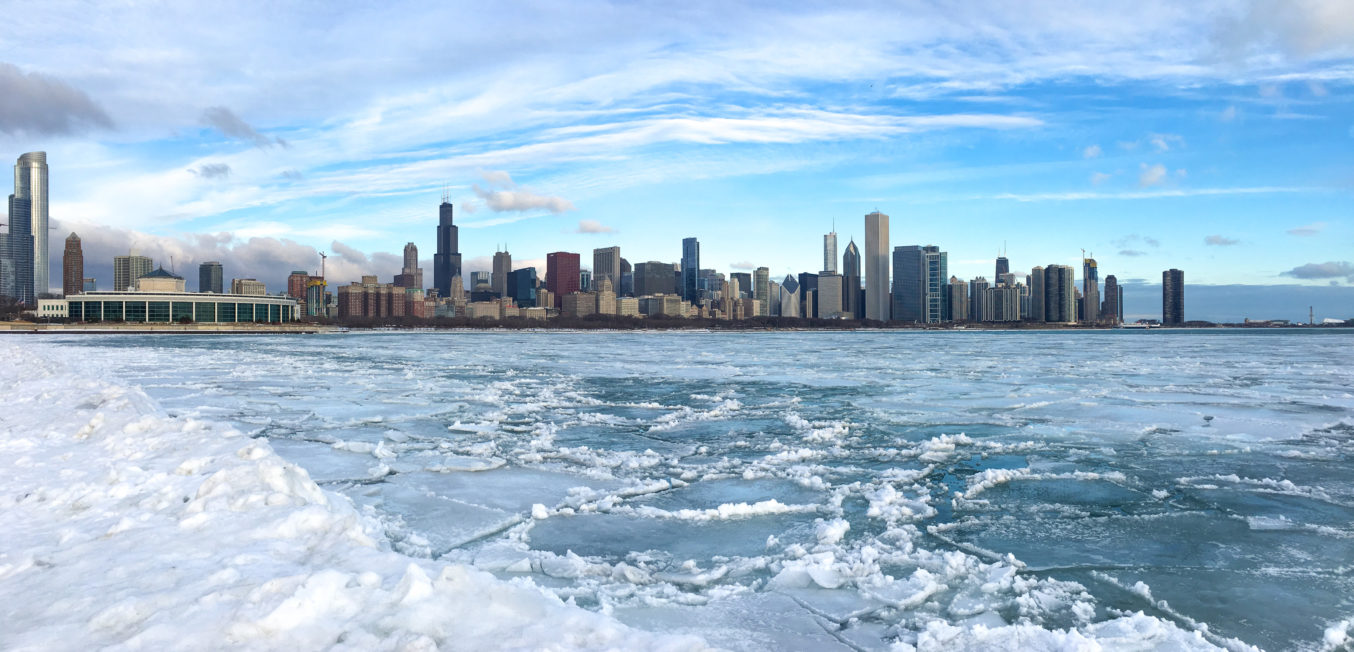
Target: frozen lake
825, 490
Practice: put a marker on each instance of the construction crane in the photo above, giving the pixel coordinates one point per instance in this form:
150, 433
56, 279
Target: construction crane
322, 259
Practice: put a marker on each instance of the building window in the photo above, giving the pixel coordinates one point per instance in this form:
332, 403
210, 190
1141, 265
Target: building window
204, 311
112, 310
225, 312
77, 311
245, 312
134, 311
157, 311
93, 311
274, 313
182, 310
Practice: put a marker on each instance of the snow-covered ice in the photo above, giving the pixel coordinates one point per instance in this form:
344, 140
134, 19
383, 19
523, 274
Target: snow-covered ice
648, 490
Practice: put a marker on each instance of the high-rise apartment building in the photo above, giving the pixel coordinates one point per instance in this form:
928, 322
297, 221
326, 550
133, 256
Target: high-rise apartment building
30, 183
298, 283
1036, 309
561, 274
606, 263
1172, 297
211, 278
877, 266
1112, 308
830, 253
502, 268
956, 294
852, 306
126, 269
1090, 291
1003, 268
16, 253
447, 260
979, 306
691, 264
1060, 294
72, 267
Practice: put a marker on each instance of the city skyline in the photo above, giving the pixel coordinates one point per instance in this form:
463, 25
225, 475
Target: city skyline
1211, 139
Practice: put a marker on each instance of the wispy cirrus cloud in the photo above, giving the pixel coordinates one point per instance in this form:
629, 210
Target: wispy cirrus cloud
1308, 230
231, 126
1220, 241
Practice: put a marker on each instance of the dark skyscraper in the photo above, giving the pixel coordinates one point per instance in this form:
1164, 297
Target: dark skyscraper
920, 275
654, 277
744, 283
561, 275
72, 267
852, 302
522, 286
1172, 297
1112, 309
16, 252
210, 278
447, 260
691, 264
1003, 268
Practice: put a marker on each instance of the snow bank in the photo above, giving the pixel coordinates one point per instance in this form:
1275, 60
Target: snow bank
123, 527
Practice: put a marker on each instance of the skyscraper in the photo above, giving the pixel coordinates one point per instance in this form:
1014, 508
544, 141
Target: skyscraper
561, 274
411, 275
877, 266
72, 267
744, 280
691, 264
830, 253
606, 263
1003, 268
761, 281
827, 300
1060, 294
653, 278
126, 269
1111, 309
502, 268
1172, 297
447, 260
16, 253
30, 183
979, 306
522, 286
211, 279
789, 297
1090, 291
298, 282
919, 278
851, 303
1036, 312
957, 297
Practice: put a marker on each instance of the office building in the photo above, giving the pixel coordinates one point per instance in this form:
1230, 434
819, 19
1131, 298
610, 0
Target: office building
606, 263
1003, 268
211, 278
654, 277
761, 290
247, 287
30, 183
447, 260
72, 267
522, 287
877, 266
627, 286
790, 297
498, 277
411, 275
561, 274
1172, 297
691, 264
126, 269
830, 253
16, 253
585, 280
827, 301
744, 280
852, 304
1090, 291
808, 288
1112, 307
956, 295
919, 278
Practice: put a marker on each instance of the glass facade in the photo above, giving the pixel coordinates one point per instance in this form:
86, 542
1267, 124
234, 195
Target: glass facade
175, 311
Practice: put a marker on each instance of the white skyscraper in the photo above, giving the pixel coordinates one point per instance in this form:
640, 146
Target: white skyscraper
830, 253
877, 266
30, 182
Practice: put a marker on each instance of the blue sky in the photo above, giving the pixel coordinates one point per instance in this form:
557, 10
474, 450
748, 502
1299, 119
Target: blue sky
1211, 136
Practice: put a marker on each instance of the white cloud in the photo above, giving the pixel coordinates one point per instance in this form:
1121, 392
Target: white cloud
593, 226
1228, 114
1220, 241
1308, 230
1098, 178
1163, 142
1092, 151
1151, 175
743, 265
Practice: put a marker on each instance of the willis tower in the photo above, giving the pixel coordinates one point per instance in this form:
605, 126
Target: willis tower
447, 260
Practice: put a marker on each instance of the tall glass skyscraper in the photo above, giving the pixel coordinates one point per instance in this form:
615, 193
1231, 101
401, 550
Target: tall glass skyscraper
691, 264
211, 279
447, 260
830, 253
1090, 291
851, 303
16, 253
30, 183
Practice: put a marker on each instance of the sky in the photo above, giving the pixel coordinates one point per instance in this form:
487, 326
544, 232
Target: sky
1214, 137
